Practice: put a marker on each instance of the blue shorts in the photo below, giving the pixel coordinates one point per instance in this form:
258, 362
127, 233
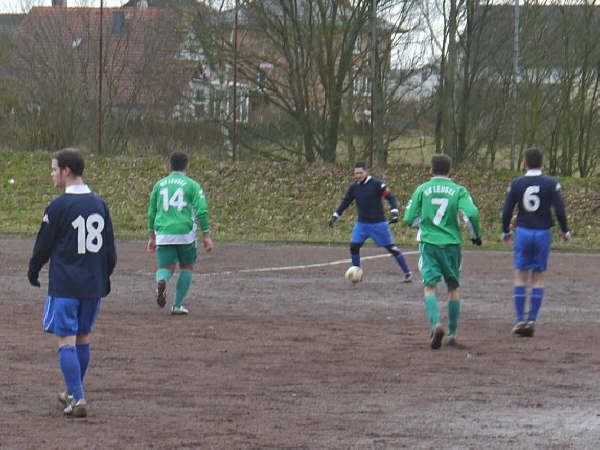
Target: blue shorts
70, 316
379, 232
531, 249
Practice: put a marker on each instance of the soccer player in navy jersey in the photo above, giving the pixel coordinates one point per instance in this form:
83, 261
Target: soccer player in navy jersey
535, 194
76, 235
368, 193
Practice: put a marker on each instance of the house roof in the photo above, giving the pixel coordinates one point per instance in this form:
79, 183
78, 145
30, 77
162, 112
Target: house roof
9, 23
140, 48
275, 8
162, 3
549, 35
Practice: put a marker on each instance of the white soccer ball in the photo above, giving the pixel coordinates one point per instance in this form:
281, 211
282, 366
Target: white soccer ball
354, 274
11, 181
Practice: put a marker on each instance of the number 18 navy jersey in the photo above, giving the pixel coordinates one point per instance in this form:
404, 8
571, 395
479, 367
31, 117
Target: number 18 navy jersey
76, 234
536, 194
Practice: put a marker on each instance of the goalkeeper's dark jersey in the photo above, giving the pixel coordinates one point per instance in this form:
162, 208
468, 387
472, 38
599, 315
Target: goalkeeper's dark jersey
368, 195
535, 194
76, 234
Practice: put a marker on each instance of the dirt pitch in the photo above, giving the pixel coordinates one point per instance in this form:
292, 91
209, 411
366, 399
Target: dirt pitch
303, 359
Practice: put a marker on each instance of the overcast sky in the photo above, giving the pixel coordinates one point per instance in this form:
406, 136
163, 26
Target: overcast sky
20, 6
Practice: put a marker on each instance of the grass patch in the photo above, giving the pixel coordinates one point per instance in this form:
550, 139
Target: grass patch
265, 202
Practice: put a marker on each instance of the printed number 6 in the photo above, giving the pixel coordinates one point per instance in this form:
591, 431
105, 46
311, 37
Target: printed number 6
94, 226
531, 201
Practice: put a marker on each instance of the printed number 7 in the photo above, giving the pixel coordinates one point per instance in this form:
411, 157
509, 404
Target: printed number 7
439, 214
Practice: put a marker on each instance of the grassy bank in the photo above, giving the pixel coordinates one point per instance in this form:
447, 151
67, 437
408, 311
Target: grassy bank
254, 202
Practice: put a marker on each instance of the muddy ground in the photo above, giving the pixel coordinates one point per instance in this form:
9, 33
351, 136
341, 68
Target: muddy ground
303, 359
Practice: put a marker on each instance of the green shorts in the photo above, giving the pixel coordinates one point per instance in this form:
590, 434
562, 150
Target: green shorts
167, 255
437, 262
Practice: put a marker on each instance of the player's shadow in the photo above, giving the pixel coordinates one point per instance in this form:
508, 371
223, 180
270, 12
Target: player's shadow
457, 346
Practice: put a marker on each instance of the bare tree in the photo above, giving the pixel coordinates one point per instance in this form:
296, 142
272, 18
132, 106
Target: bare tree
297, 56
55, 70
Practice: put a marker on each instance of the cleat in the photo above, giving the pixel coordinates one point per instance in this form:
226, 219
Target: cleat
161, 293
451, 340
528, 329
65, 398
76, 409
408, 277
179, 311
436, 337
519, 328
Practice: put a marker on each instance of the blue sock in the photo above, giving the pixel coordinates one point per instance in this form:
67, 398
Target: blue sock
356, 259
535, 301
400, 258
69, 364
83, 354
519, 301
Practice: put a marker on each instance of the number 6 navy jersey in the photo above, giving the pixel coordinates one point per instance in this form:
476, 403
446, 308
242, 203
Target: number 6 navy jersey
76, 234
536, 194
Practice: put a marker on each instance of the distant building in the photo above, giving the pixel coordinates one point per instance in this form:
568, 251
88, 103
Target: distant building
552, 39
9, 24
142, 69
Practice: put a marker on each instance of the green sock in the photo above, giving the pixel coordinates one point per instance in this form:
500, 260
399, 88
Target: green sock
453, 315
163, 274
183, 286
432, 309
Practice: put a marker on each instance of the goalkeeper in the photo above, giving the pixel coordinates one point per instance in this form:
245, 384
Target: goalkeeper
177, 204
368, 192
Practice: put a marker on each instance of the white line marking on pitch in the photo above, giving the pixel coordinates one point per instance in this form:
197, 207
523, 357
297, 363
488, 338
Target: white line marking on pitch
305, 266
276, 269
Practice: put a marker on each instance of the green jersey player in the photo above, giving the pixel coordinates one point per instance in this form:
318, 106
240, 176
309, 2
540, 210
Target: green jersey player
177, 205
434, 209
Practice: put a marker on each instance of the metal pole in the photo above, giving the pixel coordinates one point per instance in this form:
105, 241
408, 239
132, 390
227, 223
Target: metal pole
514, 85
235, 76
373, 68
100, 64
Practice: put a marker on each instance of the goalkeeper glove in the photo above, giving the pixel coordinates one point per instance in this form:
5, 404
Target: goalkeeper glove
332, 220
393, 216
33, 279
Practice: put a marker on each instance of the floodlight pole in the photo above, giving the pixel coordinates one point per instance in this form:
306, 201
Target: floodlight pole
514, 85
234, 143
373, 68
100, 63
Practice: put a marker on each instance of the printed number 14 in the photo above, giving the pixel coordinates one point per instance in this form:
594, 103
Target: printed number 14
176, 199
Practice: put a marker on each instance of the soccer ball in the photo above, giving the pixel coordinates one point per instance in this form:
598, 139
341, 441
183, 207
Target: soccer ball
354, 274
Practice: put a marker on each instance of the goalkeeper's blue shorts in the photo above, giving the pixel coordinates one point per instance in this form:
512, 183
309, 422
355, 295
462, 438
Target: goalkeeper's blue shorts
379, 232
532, 248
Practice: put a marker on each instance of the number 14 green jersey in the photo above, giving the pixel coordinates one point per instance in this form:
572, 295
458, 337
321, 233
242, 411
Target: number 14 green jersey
434, 208
177, 203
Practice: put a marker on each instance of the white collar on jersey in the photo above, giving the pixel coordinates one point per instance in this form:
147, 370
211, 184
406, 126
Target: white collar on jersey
533, 173
437, 177
77, 189
366, 180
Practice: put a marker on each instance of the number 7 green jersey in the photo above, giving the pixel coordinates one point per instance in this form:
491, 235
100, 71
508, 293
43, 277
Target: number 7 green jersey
434, 208
177, 204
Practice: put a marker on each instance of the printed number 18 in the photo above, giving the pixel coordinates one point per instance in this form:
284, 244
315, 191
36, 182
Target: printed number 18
92, 240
